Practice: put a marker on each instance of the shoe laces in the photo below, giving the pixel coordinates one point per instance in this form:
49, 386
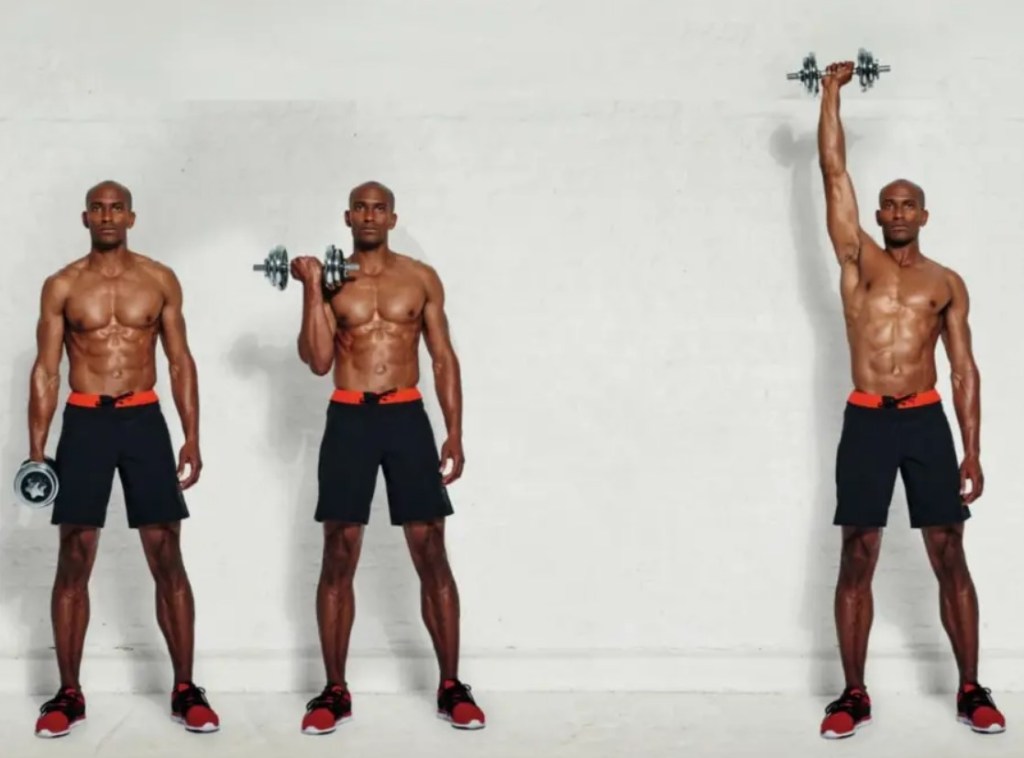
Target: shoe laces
190, 696
330, 698
64, 700
845, 702
978, 696
456, 693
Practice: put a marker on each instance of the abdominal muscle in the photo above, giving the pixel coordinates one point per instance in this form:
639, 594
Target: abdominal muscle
893, 354
112, 360
377, 356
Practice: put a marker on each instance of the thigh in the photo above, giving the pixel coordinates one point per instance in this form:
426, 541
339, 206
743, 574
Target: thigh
931, 474
347, 468
867, 460
148, 468
412, 467
85, 461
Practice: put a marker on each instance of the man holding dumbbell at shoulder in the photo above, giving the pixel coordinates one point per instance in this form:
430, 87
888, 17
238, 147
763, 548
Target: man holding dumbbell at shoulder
109, 308
897, 304
368, 330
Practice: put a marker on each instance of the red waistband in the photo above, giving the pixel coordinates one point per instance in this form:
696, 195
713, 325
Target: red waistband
127, 400
913, 400
358, 397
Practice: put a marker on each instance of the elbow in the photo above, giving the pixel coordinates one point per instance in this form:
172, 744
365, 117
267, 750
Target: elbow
179, 368
320, 366
45, 377
965, 377
444, 365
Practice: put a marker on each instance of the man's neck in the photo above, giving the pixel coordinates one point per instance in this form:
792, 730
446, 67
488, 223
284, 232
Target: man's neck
372, 260
905, 255
112, 261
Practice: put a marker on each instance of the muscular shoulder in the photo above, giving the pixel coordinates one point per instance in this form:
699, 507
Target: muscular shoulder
162, 273
957, 286
60, 283
422, 272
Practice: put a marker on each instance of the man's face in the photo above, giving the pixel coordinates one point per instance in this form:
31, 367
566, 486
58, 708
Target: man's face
370, 217
108, 218
900, 214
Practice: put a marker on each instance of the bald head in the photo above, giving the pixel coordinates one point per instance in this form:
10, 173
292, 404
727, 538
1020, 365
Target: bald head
110, 184
901, 184
383, 189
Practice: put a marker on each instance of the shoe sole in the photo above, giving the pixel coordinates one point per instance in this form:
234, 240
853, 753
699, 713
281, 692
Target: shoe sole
830, 735
312, 730
204, 729
46, 734
472, 725
994, 729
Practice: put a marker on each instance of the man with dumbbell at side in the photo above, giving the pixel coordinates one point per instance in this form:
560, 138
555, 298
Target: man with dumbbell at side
897, 304
108, 308
368, 331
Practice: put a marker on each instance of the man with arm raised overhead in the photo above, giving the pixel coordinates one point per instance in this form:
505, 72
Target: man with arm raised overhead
897, 303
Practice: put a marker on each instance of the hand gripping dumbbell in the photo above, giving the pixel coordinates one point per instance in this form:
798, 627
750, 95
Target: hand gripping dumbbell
867, 71
275, 267
36, 483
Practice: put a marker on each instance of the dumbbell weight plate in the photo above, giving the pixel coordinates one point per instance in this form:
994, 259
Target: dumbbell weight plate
36, 484
275, 267
332, 267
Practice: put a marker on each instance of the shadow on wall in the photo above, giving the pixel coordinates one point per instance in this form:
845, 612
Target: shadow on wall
897, 601
296, 423
28, 545
28, 559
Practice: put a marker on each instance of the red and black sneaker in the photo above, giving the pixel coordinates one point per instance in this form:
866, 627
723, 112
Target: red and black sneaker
331, 707
974, 707
456, 706
61, 714
189, 707
845, 715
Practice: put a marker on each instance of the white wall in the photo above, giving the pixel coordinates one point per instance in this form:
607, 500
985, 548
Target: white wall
625, 208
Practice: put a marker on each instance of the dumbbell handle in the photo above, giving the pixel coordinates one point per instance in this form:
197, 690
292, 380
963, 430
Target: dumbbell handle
819, 74
347, 266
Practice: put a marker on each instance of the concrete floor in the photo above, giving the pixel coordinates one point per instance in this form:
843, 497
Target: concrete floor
520, 725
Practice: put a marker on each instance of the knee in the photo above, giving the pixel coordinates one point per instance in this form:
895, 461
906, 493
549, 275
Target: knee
164, 551
75, 560
341, 553
860, 553
948, 558
429, 555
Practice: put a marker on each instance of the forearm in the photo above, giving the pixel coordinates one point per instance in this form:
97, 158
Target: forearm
831, 139
42, 404
185, 388
448, 384
967, 402
316, 342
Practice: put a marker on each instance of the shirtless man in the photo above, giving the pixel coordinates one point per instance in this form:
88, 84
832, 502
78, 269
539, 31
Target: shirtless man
369, 332
897, 304
108, 309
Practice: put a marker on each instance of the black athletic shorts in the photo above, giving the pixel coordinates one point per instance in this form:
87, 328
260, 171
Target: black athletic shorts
883, 435
128, 434
389, 430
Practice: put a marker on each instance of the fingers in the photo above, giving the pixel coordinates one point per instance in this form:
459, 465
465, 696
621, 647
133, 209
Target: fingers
457, 462
977, 480
977, 486
194, 466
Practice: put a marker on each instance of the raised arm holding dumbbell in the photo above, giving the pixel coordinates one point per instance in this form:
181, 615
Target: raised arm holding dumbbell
897, 303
